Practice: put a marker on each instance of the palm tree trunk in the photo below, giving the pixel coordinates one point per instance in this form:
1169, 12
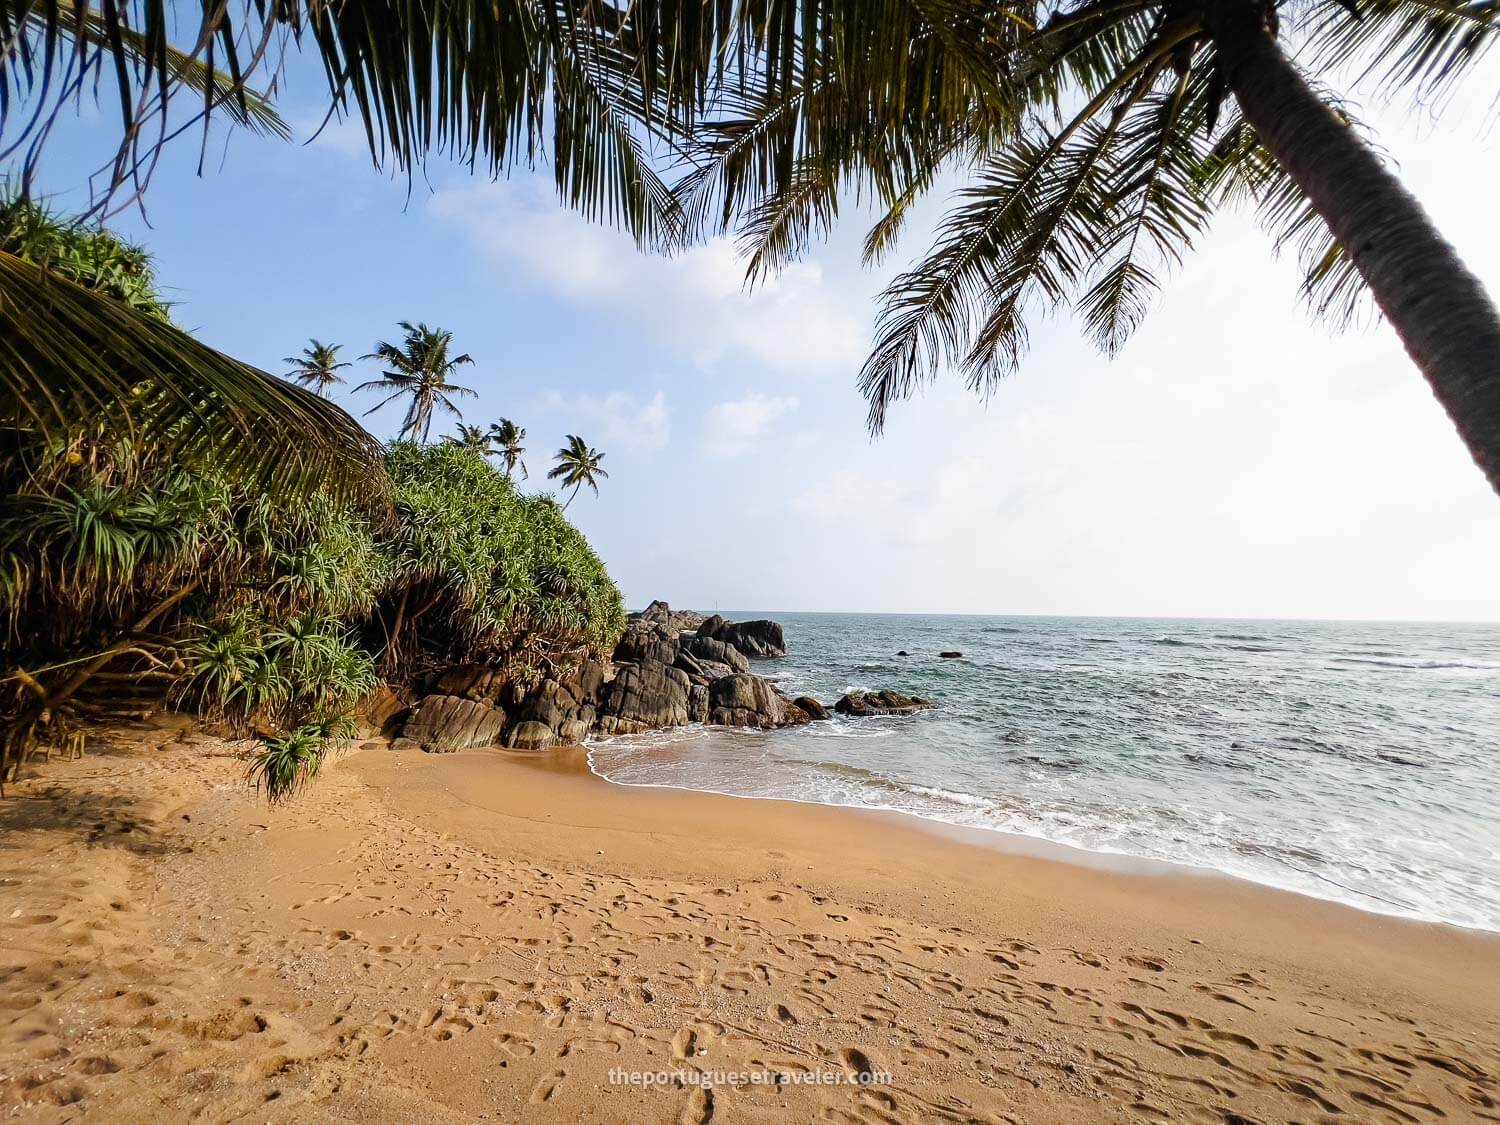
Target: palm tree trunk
1440, 310
572, 494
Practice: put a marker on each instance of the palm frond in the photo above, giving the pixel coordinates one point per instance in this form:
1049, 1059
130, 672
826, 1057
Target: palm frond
68, 353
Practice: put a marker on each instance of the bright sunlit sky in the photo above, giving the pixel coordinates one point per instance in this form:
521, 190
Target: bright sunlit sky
1236, 459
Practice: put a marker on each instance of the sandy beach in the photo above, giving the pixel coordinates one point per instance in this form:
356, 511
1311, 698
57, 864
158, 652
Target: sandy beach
487, 935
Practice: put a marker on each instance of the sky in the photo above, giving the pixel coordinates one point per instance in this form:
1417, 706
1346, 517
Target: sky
1237, 459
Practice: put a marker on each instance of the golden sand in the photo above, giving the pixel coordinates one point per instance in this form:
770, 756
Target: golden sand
487, 936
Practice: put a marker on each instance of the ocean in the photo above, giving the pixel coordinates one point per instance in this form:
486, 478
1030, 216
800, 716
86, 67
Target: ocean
1353, 761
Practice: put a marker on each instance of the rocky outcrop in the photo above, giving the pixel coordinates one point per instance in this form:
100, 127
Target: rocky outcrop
644, 696
479, 682
669, 668
530, 735
660, 613
647, 640
444, 723
717, 651
863, 704
743, 700
760, 639
566, 707
952, 655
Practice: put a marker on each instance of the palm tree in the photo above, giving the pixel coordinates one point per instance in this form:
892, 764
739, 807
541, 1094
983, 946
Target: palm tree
419, 368
472, 437
1097, 139
506, 438
72, 350
577, 465
317, 368
1084, 127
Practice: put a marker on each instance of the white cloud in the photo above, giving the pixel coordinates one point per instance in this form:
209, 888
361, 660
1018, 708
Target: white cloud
695, 303
343, 135
616, 420
732, 428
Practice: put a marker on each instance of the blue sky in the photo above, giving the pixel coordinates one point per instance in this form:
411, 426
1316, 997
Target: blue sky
1235, 460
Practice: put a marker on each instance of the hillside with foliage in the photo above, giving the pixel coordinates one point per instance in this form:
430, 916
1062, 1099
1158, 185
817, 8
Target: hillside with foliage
125, 572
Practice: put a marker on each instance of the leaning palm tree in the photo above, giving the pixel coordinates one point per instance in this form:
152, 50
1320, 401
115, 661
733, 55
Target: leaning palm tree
1095, 140
418, 369
506, 438
577, 465
317, 368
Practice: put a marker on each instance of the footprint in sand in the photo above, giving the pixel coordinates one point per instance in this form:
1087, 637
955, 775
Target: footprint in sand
543, 1090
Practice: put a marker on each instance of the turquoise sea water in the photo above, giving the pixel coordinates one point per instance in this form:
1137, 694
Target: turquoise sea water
1348, 760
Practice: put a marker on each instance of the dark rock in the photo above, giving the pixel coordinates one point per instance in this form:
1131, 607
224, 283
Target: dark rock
743, 700
720, 652
710, 625
954, 655
564, 706
698, 703
760, 639
863, 704
479, 682
660, 613
793, 715
384, 712
903, 652
530, 735
647, 640
814, 710
643, 696
442, 723
572, 732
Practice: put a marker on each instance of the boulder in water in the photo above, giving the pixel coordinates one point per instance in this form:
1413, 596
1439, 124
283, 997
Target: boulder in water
951, 655
743, 700
761, 638
814, 710
864, 704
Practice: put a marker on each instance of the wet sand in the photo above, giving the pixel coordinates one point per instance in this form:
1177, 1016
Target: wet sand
490, 936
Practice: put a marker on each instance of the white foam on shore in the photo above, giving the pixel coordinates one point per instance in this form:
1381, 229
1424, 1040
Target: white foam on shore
1193, 846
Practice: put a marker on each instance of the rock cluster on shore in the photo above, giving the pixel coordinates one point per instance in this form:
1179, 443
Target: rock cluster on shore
669, 668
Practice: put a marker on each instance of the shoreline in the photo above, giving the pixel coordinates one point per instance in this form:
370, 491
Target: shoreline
491, 935
1008, 840
1173, 886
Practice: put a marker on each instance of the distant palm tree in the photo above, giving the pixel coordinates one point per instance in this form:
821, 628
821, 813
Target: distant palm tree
506, 438
578, 465
473, 437
420, 368
316, 368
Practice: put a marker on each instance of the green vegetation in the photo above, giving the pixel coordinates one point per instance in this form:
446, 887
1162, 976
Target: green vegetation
125, 569
118, 567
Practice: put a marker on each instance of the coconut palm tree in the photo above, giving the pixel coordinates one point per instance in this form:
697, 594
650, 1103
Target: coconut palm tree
317, 368
1088, 131
419, 368
506, 438
417, 83
1094, 148
577, 465
476, 438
